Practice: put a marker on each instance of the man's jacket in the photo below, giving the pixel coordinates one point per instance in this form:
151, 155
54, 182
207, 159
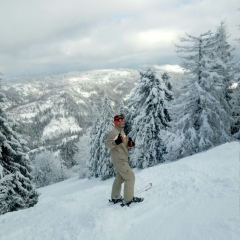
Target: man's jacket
119, 152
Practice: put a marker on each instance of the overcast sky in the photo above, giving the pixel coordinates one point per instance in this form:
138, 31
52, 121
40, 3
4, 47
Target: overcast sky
41, 37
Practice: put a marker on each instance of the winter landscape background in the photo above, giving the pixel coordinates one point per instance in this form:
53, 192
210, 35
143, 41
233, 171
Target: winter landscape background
184, 120
56, 112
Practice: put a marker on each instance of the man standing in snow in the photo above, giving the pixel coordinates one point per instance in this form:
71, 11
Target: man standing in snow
118, 143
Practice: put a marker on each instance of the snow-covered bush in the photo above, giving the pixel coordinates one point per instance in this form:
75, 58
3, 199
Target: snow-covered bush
48, 169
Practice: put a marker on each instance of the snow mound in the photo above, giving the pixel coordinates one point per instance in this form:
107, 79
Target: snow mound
194, 198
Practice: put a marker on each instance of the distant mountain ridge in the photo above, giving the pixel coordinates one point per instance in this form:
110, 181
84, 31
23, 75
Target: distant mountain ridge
53, 108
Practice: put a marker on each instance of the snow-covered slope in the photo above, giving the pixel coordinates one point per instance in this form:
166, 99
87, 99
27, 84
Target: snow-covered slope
195, 198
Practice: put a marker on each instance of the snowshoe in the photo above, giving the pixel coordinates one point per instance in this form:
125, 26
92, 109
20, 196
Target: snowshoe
137, 199
134, 200
114, 201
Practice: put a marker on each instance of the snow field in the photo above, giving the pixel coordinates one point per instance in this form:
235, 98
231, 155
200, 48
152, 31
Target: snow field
194, 198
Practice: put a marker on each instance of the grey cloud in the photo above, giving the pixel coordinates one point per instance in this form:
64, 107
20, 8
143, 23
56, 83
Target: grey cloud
51, 36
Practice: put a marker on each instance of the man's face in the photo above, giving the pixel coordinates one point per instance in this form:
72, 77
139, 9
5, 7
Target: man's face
120, 123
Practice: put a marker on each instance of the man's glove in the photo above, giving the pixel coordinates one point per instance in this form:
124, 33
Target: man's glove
130, 143
119, 139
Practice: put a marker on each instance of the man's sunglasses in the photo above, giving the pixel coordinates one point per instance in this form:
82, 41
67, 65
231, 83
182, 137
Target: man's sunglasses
118, 117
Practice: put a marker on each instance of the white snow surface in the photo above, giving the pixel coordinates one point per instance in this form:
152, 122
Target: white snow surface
195, 198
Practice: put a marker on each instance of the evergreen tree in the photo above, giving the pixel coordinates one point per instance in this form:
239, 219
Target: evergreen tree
126, 113
150, 120
82, 155
123, 108
201, 120
68, 151
94, 143
229, 70
16, 188
224, 65
166, 80
235, 105
105, 168
100, 156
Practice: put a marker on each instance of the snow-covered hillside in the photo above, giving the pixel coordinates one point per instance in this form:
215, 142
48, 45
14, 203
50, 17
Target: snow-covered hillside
195, 198
51, 108
54, 107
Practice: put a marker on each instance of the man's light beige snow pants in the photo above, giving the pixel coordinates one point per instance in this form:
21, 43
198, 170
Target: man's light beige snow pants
123, 174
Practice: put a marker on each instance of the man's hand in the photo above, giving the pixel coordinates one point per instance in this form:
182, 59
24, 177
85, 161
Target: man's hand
119, 139
130, 143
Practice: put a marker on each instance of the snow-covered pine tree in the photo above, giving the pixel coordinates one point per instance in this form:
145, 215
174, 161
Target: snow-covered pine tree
94, 151
123, 108
126, 113
225, 66
200, 120
102, 166
235, 104
166, 80
83, 155
68, 151
235, 107
229, 70
16, 188
150, 119
105, 168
